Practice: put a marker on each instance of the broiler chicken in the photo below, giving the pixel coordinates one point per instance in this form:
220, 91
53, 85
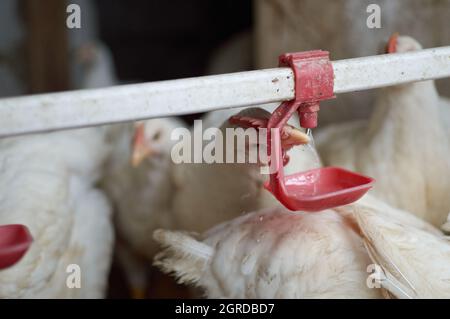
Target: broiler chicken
46, 182
273, 253
138, 181
94, 67
230, 189
405, 146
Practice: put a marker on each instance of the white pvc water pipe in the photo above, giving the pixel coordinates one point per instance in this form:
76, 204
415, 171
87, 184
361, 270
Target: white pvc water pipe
56, 111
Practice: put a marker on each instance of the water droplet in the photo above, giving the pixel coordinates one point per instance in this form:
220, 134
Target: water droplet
316, 159
311, 137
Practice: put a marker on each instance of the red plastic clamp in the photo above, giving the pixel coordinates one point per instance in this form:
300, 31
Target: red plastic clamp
314, 82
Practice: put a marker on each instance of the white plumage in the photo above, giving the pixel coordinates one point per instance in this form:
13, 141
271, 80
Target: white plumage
207, 194
141, 194
46, 183
404, 146
93, 67
272, 253
414, 257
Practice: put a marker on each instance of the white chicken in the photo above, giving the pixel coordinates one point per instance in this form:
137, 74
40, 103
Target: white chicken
46, 183
93, 67
231, 189
138, 181
412, 169
273, 253
292, 25
136, 174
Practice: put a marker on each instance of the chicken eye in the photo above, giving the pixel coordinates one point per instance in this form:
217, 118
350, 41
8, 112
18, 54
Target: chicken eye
156, 136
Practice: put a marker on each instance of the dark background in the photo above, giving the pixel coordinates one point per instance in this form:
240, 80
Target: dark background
160, 40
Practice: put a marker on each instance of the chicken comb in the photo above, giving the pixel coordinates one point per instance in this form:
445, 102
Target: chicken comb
247, 121
391, 46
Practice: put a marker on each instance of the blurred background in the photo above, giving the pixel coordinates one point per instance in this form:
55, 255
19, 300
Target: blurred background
143, 40
160, 40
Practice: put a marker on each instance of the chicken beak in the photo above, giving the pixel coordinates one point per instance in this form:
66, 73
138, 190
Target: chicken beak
140, 149
294, 137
